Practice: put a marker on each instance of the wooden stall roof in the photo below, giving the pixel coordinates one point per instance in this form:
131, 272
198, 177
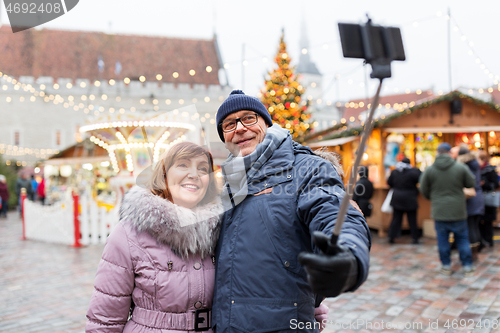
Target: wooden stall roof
357, 109
84, 149
355, 128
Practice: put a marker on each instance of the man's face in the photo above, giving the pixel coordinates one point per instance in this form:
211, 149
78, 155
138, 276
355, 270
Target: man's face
243, 140
454, 152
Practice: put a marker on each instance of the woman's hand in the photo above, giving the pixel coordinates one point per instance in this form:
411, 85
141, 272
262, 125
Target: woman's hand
321, 315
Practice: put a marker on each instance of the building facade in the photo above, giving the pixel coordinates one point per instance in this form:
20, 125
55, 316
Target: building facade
53, 82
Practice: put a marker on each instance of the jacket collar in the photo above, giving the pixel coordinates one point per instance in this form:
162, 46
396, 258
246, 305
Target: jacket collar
186, 231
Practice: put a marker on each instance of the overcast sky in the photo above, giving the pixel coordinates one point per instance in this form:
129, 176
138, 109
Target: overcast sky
258, 24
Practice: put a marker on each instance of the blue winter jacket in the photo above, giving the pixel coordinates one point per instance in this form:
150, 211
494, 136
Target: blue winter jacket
260, 285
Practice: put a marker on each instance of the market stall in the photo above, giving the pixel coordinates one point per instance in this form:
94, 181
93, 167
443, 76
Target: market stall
414, 132
83, 166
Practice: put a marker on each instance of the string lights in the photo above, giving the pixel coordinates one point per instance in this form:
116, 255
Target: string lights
350, 127
13, 150
328, 46
474, 54
71, 101
96, 109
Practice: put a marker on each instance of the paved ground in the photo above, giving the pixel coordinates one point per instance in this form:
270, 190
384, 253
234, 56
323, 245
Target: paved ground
43, 287
46, 288
405, 289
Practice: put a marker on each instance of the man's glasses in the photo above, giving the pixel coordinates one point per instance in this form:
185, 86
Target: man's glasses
246, 120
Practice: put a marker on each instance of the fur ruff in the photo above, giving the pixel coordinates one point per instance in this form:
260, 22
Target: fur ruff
332, 158
186, 231
466, 158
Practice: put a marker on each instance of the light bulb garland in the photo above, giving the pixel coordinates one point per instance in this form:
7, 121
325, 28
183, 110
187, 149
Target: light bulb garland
14, 150
473, 53
70, 102
327, 46
345, 130
97, 109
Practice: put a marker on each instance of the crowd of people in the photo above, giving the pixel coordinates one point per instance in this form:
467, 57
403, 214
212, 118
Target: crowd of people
457, 185
35, 191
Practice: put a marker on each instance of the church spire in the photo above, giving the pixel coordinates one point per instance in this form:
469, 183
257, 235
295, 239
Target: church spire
305, 63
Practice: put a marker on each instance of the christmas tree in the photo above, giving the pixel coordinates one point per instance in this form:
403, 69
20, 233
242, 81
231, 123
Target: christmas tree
282, 95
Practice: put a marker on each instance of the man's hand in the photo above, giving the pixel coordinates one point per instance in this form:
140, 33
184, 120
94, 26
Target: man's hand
331, 272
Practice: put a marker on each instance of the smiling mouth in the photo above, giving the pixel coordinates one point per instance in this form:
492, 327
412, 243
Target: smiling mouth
242, 142
190, 187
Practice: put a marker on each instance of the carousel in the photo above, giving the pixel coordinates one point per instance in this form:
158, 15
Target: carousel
135, 142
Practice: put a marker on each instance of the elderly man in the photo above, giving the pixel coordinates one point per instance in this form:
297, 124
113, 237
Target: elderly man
281, 201
442, 183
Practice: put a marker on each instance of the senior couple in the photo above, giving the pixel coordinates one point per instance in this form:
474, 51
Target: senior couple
254, 259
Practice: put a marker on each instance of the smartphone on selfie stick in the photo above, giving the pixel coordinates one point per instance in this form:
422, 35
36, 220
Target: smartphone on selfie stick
378, 46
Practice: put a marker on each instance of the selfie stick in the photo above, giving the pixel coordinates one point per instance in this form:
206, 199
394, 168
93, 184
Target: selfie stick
379, 46
344, 206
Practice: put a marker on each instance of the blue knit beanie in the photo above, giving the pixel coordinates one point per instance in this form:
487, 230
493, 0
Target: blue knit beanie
444, 148
238, 101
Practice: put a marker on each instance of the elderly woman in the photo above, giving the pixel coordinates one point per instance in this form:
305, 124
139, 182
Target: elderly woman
157, 265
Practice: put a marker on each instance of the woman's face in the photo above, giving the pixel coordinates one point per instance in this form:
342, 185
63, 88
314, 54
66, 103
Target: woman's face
188, 179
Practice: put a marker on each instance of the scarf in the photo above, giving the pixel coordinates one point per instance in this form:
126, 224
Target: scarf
238, 171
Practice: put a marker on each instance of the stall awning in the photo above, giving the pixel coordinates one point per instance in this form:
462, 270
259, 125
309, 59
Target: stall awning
75, 160
333, 142
451, 129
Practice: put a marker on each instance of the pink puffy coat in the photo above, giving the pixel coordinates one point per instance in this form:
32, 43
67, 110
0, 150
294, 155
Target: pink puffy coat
157, 267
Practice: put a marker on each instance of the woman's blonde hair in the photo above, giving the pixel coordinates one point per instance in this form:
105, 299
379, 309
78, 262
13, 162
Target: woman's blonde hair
158, 182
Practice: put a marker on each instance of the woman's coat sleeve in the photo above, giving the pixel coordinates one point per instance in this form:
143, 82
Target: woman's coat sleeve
112, 297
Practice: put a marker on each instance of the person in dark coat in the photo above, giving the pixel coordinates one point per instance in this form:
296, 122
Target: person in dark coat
363, 192
23, 182
4, 194
403, 180
475, 205
281, 204
489, 183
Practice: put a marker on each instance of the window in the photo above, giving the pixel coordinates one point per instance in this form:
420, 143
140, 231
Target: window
78, 135
17, 138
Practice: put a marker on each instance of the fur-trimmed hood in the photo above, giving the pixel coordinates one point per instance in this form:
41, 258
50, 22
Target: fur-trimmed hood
186, 231
466, 158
